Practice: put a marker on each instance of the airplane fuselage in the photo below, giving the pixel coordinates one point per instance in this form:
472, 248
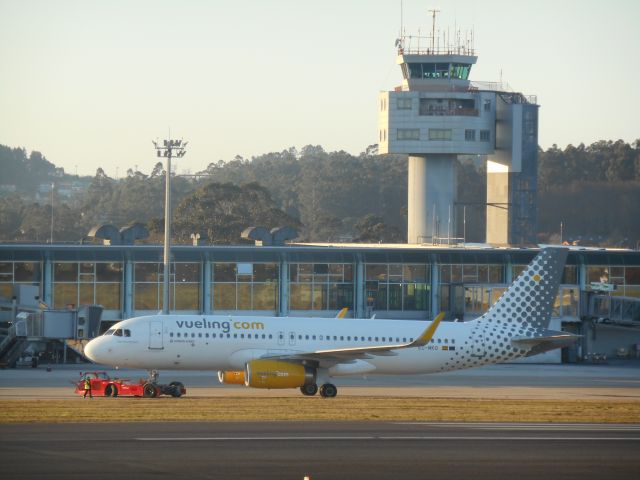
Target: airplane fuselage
200, 342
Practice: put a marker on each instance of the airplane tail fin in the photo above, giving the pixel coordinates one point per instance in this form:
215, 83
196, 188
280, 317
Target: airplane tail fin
517, 324
528, 302
525, 308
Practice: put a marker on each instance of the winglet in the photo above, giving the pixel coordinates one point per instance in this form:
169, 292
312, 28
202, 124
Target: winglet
342, 313
429, 331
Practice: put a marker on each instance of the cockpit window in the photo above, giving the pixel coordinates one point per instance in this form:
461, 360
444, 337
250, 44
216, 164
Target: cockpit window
118, 332
110, 331
127, 332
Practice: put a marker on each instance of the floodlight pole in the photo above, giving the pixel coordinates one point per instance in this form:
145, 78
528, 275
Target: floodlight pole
167, 150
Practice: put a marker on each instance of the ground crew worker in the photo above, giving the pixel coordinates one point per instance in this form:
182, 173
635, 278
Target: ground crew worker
87, 388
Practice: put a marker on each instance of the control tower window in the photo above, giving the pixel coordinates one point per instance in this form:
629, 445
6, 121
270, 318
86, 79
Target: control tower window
408, 134
404, 104
440, 134
460, 71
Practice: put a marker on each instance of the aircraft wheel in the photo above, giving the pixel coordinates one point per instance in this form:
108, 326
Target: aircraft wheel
328, 390
310, 389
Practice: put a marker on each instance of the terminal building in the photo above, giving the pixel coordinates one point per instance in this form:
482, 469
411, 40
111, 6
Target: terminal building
599, 296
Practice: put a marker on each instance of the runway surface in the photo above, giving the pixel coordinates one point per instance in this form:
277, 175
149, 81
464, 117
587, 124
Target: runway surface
293, 450
512, 381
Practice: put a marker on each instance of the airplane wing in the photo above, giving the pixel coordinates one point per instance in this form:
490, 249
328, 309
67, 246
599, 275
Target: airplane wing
549, 340
348, 355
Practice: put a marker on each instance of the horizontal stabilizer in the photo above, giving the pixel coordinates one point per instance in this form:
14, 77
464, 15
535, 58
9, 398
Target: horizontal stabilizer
548, 340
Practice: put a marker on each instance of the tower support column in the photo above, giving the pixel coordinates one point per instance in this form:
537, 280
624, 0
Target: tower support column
432, 192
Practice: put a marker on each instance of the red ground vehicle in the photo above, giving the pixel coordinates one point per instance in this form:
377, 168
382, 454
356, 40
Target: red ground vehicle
104, 386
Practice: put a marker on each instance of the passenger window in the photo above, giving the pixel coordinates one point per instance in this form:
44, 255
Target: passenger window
178, 334
171, 334
193, 335
341, 337
199, 335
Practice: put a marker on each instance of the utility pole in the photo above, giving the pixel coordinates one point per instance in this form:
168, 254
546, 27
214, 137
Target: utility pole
51, 237
168, 149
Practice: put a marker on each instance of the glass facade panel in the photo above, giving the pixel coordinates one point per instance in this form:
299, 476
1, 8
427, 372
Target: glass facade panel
65, 294
184, 286
265, 296
187, 296
88, 283
320, 286
245, 286
108, 295
626, 279
224, 296
147, 296
11, 273
65, 272
566, 302
398, 287
300, 296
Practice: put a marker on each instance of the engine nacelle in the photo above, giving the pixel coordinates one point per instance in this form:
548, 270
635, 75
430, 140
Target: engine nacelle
277, 374
235, 377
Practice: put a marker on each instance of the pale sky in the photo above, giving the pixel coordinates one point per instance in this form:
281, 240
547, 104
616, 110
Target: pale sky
91, 83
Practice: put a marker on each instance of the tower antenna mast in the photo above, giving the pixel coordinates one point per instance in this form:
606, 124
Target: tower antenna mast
433, 29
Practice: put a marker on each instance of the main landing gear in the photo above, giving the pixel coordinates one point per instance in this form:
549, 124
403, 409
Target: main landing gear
328, 390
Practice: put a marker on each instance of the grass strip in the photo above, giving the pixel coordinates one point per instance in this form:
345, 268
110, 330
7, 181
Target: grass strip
343, 408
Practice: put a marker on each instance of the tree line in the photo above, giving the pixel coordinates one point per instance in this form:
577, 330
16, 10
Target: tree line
594, 191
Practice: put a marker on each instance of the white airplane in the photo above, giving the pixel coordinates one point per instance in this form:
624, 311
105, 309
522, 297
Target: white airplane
288, 352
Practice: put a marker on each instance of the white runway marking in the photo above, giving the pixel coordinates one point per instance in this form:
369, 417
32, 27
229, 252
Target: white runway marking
381, 437
532, 426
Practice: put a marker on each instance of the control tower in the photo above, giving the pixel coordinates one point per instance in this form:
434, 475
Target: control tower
437, 114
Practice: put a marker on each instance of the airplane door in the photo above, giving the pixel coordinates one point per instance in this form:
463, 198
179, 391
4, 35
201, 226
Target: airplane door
292, 338
155, 334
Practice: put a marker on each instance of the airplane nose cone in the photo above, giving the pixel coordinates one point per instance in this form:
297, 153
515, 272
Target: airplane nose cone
91, 350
